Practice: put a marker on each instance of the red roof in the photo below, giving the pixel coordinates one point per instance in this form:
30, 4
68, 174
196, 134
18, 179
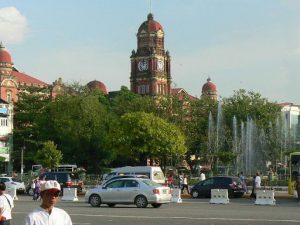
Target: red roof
25, 79
209, 86
150, 25
181, 93
4, 55
95, 84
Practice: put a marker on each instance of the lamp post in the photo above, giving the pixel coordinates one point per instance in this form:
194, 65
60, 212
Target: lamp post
22, 163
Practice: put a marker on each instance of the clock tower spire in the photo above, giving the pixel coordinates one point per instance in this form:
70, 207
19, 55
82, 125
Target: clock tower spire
150, 63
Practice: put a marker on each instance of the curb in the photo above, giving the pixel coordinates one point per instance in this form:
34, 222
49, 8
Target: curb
278, 196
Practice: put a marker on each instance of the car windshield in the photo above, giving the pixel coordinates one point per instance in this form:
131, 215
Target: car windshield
16, 179
158, 175
151, 183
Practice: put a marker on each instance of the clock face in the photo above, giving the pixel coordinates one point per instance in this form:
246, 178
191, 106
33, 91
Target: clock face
143, 65
160, 65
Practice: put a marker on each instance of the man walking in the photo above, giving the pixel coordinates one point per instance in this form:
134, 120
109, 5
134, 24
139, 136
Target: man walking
47, 214
6, 205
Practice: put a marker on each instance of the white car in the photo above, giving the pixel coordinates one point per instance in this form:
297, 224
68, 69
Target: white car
138, 191
11, 182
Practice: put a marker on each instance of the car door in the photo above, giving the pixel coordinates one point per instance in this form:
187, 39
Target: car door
111, 191
129, 191
206, 187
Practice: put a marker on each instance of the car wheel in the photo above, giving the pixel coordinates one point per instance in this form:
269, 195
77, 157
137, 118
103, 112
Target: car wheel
95, 200
141, 201
30, 192
230, 194
111, 205
156, 205
195, 194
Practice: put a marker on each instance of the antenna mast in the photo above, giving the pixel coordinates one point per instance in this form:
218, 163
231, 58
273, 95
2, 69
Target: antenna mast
150, 3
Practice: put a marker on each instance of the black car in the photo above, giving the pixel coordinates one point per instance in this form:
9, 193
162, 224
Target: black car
203, 188
65, 179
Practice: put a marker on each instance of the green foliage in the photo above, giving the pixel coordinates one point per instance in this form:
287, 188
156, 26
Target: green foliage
226, 157
49, 156
142, 135
78, 125
2, 159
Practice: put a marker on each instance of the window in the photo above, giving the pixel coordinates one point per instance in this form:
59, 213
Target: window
143, 89
115, 184
130, 183
208, 182
3, 122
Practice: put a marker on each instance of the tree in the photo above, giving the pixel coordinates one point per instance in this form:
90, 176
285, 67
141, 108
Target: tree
139, 136
29, 107
78, 125
49, 156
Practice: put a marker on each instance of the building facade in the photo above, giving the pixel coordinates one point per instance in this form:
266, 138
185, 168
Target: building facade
150, 63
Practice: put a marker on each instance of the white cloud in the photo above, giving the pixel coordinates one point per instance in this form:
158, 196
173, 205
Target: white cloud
13, 25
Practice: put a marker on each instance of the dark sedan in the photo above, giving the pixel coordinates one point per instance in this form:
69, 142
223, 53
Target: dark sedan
233, 184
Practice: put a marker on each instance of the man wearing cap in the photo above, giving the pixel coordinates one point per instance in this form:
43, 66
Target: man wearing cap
6, 204
48, 214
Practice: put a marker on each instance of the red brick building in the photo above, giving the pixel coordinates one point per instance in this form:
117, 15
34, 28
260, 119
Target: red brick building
13, 81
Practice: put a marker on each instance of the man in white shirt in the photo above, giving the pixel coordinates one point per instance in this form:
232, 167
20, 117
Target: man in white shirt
257, 180
47, 214
6, 205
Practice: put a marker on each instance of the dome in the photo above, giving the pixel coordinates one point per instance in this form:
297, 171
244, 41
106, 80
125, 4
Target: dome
150, 25
97, 85
209, 86
4, 55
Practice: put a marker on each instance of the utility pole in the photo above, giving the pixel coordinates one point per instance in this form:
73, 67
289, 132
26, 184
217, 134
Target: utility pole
22, 163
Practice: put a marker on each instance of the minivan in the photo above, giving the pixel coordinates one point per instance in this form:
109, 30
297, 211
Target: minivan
65, 179
154, 173
232, 183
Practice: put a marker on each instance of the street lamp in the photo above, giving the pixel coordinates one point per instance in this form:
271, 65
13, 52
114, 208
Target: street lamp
22, 163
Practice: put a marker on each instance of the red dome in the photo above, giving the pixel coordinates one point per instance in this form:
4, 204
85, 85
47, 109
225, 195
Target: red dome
97, 85
209, 86
4, 55
150, 25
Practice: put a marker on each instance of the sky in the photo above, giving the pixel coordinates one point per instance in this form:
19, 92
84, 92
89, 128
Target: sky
240, 44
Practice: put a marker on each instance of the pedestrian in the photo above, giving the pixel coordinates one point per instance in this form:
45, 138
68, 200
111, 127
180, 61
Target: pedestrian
185, 184
180, 180
243, 181
170, 180
252, 195
297, 187
202, 176
257, 181
47, 213
37, 189
6, 205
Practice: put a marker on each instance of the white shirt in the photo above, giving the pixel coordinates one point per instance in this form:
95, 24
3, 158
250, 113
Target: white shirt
257, 181
41, 216
202, 176
5, 207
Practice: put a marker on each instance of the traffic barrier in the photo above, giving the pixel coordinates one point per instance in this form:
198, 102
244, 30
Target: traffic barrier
265, 197
176, 195
219, 196
12, 192
69, 194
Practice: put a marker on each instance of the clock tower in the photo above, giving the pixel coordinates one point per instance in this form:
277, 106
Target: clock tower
150, 63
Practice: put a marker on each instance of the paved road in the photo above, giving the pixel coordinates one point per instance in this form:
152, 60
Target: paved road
190, 212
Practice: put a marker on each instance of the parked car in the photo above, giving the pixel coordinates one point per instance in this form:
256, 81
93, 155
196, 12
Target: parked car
12, 182
203, 188
65, 179
138, 191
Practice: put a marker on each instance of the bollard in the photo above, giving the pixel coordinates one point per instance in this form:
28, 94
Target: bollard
176, 195
265, 197
69, 194
219, 196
